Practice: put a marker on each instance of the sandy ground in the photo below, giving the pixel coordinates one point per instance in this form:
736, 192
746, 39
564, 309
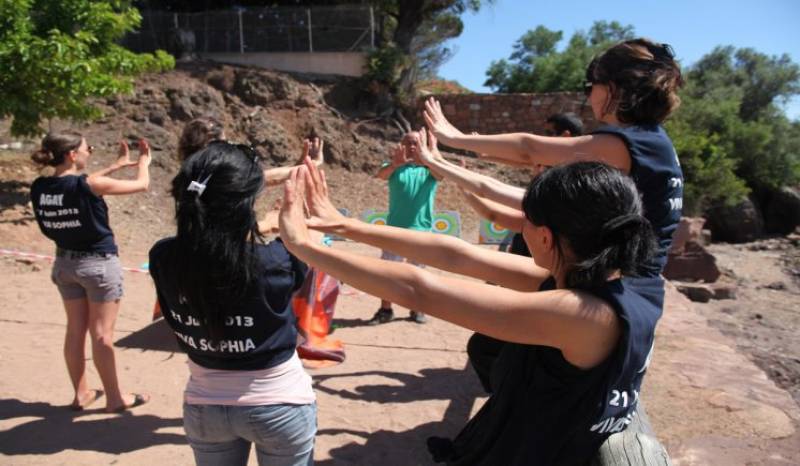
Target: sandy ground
401, 382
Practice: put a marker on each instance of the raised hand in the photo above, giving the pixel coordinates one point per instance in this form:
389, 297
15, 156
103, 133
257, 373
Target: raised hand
421, 145
316, 151
323, 214
433, 145
145, 157
291, 220
399, 156
437, 123
124, 156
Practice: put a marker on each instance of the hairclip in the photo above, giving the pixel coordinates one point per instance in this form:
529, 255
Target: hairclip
199, 187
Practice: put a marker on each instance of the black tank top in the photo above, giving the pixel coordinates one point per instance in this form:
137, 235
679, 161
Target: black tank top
545, 411
657, 173
259, 333
69, 213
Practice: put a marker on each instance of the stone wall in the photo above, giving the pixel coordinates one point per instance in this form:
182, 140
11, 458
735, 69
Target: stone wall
509, 113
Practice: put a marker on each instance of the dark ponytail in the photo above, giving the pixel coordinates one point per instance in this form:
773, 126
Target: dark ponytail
214, 261
55, 146
595, 212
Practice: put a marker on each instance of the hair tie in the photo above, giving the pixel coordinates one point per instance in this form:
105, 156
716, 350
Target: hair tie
620, 222
199, 186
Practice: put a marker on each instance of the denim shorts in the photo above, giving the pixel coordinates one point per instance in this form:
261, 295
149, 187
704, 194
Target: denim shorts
221, 435
96, 277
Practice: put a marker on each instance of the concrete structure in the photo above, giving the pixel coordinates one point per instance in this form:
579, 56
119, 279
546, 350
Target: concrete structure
338, 63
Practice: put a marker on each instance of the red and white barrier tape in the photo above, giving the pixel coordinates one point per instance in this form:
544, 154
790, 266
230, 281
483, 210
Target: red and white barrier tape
11, 252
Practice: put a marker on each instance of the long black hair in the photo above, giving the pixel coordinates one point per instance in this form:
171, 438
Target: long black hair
595, 211
214, 260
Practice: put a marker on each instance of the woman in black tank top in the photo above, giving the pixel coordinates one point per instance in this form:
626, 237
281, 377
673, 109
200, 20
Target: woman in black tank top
70, 210
632, 88
578, 338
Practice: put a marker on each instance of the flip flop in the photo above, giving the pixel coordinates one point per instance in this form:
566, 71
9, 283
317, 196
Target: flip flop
138, 400
96, 395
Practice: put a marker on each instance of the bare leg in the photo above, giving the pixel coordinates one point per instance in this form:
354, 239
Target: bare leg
74, 346
102, 317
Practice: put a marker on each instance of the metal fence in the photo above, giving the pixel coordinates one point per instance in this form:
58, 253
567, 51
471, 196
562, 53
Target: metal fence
280, 29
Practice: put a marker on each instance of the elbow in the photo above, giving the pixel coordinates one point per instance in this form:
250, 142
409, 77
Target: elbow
419, 291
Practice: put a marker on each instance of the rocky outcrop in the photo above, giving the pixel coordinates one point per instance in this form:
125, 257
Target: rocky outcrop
687, 259
738, 223
782, 211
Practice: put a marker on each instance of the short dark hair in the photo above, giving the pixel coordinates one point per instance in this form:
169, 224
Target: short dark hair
197, 134
644, 79
595, 211
566, 122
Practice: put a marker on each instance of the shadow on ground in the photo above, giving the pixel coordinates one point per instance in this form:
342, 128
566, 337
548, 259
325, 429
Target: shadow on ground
57, 429
157, 336
405, 448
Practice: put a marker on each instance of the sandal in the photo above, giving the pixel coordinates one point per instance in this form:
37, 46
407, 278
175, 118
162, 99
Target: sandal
94, 396
138, 400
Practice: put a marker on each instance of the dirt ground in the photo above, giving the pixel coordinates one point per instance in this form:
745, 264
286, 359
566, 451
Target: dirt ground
709, 402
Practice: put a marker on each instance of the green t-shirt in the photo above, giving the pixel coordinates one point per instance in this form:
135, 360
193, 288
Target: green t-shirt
412, 190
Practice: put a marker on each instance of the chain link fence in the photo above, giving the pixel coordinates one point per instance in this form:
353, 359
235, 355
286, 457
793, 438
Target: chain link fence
281, 29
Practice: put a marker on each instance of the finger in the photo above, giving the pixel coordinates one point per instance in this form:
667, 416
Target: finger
321, 148
428, 119
313, 170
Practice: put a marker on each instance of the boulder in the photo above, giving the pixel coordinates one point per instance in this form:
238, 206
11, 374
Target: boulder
692, 263
740, 223
782, 211
696, 292
724, 290
260, 88
689, 229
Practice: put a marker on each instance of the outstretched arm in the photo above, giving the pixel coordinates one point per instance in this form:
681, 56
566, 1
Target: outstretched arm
482, 185
496, 212
440, 251
101, 184
584, 327
530, 148
311, 148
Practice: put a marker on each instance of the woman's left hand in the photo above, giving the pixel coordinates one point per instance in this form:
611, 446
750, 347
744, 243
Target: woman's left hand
292, 221
422, 145
124, 156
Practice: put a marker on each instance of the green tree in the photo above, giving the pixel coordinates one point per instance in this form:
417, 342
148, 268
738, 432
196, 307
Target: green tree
412, 35
736, 96
536, 64
57, 54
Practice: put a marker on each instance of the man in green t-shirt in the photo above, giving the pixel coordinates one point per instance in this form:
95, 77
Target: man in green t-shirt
412, 190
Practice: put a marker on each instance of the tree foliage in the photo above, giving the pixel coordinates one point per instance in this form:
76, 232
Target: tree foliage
730, 132
536, 64
412, 39
56, 54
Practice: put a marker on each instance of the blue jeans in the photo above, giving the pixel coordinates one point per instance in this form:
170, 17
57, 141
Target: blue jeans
221, 435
